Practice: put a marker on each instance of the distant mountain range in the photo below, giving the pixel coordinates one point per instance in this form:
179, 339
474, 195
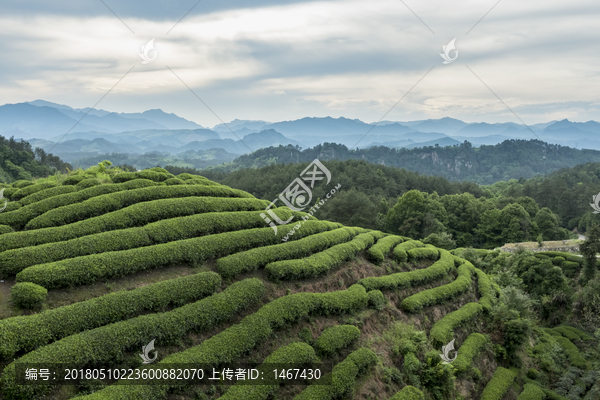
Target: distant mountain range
93, 132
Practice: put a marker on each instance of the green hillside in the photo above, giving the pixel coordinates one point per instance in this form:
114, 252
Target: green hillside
18, 160
101, 263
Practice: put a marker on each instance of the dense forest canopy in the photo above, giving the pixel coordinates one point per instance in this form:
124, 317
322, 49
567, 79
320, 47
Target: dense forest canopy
19, 161
408, 203
511, 159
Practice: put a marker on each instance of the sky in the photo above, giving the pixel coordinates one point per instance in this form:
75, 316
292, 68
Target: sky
269, 60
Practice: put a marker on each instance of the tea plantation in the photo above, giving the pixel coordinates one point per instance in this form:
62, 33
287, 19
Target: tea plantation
93, 272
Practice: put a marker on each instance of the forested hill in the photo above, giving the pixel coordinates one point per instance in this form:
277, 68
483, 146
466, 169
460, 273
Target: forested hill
511, 159
18, 160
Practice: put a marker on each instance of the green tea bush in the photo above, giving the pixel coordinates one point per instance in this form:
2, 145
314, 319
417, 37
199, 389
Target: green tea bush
47, 193
399, 252
153, 175
487, 294
468, 350
234, 342
163, 231
93, 268
570, 268
408, 393
532, 392
31, 189
566, 256
87, 183
343, 376
421, 253
174, 181
28, 295
185, 176
567, 333
379, 251
105, 345
573, 354
115, 201
18, 219
404, 280
5, 229
295, 353
558, 261
582, 335
73, 180
319, 263
440, 294
20, 184
443, 330
9, 192
377, 300
253, 259
26, 333
499, 384
337, 337
567, 381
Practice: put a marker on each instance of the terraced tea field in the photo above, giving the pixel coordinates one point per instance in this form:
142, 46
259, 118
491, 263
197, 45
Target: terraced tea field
192, 265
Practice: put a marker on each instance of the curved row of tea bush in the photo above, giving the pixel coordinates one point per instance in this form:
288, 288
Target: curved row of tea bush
399, 252
572, 352
319, 263
19, 218
31, 189
115, 201
421, 253
234, 342
155, 176
532, 392
581, 335
337, 337
499, 384
566, 256
5, 229
379, 251
135, 215
26, 333
440, 294
167, 230
566, 333
105, 345
402, 280
443, 330
295, 353
468, 350
343, 377
46, 194
253, 259
95, 267
487, 293
408, 393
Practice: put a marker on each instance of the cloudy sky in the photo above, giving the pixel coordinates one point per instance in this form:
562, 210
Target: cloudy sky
284, 60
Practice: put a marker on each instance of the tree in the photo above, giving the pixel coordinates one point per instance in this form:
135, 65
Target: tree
547, 224
589, 248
